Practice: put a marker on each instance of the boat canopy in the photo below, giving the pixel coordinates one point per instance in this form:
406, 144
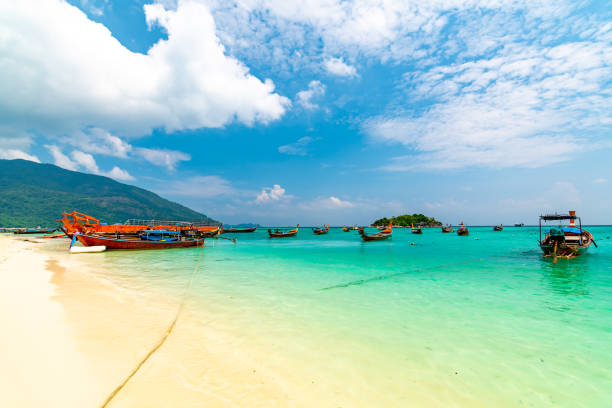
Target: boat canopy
159, 232
552, 217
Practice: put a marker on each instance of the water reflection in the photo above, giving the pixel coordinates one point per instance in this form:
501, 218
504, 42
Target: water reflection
567, 277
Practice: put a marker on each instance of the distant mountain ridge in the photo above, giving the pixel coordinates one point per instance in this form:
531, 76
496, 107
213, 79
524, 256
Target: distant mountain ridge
36, 194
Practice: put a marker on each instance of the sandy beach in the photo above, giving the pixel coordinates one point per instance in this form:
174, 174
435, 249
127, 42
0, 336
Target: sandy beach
69, 338
72, 337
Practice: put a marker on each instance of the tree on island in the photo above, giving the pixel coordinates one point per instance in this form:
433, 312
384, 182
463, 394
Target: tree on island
407, 220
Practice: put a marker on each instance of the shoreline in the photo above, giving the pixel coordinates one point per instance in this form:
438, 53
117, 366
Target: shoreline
39, 350
68, 335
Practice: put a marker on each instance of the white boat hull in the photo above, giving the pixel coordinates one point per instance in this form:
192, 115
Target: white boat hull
85, 250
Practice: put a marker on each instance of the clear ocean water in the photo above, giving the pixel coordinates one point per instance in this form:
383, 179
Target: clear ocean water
481, 320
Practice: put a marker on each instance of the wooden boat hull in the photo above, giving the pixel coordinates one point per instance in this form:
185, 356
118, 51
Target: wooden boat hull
320, 231
447, 230
238, 230
463, 232
49, 231
565, 250
282, 234
114, 243
498, 228
375, 237
417, 231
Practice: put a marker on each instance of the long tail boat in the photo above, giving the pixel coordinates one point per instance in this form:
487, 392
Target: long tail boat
149, 239
448, 228
347, 229
83, 223
417, 230
34, 231
498, 228
379, 236
565, 241
462, 231
321, 231
237, 230
279, 233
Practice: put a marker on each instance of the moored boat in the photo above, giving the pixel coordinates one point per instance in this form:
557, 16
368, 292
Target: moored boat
33, 231
237, 230
565, 241
379, 236
417, 230
462, 230
499, 227
83, 223
447, 228
519, 225
321, 231
280, 233
148, 239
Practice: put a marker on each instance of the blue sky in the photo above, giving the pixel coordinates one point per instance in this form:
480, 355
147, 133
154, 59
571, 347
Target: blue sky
320, 111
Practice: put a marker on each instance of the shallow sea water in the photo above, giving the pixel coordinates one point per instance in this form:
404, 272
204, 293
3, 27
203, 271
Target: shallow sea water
332, 321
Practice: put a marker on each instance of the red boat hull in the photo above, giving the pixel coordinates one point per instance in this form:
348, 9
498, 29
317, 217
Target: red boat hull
113, 243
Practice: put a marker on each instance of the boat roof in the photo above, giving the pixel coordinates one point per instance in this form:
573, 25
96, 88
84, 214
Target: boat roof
550, 217
159, 231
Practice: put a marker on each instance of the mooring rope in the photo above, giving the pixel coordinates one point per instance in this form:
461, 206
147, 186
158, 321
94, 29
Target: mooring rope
383, 277
163, 338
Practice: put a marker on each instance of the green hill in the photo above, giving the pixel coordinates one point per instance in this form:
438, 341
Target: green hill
406, 220
36, 194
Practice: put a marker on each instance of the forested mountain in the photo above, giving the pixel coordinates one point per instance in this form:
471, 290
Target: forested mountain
34, 194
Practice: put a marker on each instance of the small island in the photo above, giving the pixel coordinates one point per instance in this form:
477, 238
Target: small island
407, 220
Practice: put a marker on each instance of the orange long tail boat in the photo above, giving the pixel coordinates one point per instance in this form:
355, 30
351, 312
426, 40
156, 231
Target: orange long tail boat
85, 224
149, 239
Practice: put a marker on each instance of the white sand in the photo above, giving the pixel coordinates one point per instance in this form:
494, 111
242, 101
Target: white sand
40, 365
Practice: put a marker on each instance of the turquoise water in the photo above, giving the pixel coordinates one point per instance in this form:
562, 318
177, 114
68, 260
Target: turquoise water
481, 320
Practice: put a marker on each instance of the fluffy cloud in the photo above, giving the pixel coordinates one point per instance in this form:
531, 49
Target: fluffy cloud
298, 148
11, 154
162, 157
78, 75
119, 174
85, 161
268, 194
60, 159
502, 111
315, 90
338, 67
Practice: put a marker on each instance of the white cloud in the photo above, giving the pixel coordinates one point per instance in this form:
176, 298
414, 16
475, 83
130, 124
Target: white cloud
525, 106
11, 154
119, 174
268, 194
335, 202
85, 160
162, 157
99, 141
338, 67
60, 159
600, 180
315, 90
78, 75
298, 148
